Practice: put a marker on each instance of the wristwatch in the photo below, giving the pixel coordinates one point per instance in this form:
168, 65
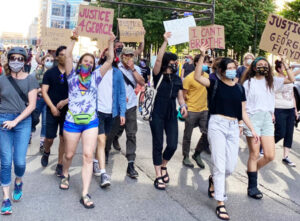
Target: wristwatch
133, 70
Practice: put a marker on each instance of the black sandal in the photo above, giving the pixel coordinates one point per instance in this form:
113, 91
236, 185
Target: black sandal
157, 183
87, 199
64, 181
210, 184
219, 213
255, 193
165, 176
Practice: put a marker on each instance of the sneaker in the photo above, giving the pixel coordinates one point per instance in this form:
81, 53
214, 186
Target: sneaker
131, 172
116, 144
59, 170
6, 207
186, 162
17, 194
45, 159
288, 162
198, 160
104, 180
96, 169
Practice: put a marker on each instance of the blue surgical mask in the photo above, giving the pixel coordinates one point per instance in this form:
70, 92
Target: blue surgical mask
49, 64
205, 68
230, 74
187, 60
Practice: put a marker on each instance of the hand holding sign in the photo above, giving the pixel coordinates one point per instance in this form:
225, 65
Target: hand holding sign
75, 32
112, 37
204, 48
167, 35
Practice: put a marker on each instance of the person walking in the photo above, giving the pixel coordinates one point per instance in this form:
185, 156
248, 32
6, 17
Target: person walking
188, 67
18, 92
248, 59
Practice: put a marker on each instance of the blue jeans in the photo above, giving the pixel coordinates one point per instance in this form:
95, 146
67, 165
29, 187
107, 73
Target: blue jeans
13, 146
42, 107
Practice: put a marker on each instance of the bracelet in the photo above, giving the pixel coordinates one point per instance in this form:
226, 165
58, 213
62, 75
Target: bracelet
241, 125
133, 70
74, 38
184, 105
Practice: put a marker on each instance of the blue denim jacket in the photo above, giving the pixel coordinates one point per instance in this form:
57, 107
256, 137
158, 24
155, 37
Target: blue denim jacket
119, 94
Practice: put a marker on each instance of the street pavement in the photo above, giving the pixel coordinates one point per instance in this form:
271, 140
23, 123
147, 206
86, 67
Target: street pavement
185, 198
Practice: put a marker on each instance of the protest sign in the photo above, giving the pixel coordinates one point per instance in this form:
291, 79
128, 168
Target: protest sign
179, 29
102, 43
95, 22
281, 37
131, 30
52, 38
212, 35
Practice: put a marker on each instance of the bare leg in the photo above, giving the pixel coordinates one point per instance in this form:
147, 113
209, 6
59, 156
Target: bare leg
253, 154
268, 145
61, 149
100, 151
47, 144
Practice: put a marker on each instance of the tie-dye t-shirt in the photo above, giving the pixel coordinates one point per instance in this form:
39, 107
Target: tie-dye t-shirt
87, 102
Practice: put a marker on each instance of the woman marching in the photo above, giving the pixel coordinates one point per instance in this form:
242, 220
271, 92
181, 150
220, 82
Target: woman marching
81, 120
260, 87
164, 115
18, 92
227, 107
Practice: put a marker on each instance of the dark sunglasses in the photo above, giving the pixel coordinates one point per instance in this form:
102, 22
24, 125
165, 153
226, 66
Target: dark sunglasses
62, 80
13, 58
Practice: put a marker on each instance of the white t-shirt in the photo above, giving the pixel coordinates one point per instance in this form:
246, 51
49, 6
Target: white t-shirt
130, 94
105, 93
284, 97
258, 95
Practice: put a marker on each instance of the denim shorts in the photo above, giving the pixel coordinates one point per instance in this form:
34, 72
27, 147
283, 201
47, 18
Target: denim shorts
77, 128
262, 124
105, 123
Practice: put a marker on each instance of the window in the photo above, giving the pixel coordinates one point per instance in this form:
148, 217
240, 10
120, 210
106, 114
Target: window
57, 24
58, 10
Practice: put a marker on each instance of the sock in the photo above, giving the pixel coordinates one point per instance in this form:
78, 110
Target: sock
252, 179
95, 161
102, 171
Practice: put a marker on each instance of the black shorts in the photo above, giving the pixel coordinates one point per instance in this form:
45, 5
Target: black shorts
53, 122
105, 123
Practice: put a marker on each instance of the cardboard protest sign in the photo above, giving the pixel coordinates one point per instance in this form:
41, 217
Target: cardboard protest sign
179, 29
212, 35
102, 43
52, 38
131, 30
95, 22
281, 37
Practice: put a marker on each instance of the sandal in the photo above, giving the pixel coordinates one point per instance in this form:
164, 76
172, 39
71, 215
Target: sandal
85, 200
157, 183
255, 193
64, 181
219, 213
165, 176
210, 184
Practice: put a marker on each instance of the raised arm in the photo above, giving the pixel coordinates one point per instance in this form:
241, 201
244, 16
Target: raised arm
291, 76
107, 64
161, 53
38, 56
198, 70
69, 56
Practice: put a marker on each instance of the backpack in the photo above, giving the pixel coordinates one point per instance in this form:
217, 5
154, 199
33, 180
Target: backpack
148, 96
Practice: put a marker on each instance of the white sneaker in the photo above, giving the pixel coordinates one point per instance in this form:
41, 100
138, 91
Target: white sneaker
288, 162
96, 169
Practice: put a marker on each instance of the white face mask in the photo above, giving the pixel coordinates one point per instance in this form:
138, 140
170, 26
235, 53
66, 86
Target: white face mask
48, 64
16, 66
249, 61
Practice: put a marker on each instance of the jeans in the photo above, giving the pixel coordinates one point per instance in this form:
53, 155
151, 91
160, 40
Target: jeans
158, 126
195, 119
13, 146
223, 138
41, 107
130, 128
284, 126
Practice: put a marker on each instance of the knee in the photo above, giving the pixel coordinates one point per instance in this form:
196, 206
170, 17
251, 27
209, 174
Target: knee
48, 141
253, 156
101, 142
131, 135
269, 156
88, 158
69, 155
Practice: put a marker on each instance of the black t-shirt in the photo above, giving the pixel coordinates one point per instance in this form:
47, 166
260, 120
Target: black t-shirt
227, 100
165, 101
58, 85
145, 72
240, 71
188, 68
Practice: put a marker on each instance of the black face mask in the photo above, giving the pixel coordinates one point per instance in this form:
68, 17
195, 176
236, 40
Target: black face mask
262, 71
118, 51
173, 68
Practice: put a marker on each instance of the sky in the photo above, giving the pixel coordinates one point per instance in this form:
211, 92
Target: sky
17, 15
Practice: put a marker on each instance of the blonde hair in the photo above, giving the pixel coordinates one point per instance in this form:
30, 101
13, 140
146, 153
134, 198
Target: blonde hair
249, 54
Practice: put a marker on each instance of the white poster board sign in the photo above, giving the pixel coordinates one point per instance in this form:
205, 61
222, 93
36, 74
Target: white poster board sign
179, 29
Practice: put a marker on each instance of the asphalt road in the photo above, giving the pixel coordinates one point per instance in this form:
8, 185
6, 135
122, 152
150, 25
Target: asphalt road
185, 197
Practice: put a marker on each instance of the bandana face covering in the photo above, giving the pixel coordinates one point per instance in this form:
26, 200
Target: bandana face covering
84, 78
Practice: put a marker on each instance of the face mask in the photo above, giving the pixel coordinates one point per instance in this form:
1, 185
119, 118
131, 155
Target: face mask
118, 51
16, 66
48, 64
249, 61
61, 60
263, 71
296, 69
230, 74
142, 63
187, 60
173, 68
204, 68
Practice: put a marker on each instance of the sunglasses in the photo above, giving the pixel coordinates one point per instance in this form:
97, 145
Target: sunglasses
13, 58
62, 80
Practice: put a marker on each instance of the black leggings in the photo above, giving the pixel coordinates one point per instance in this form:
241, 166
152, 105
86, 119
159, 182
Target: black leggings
284, 126
158, 126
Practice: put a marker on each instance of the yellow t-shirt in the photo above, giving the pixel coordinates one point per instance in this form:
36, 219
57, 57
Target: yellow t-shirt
196, 94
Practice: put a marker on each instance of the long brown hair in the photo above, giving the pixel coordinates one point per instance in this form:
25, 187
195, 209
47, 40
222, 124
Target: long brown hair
251, 72
81, 58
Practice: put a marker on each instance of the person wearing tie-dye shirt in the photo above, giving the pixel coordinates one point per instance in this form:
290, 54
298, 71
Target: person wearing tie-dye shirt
81, 120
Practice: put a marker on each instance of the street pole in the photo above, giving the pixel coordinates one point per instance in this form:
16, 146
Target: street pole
255, 37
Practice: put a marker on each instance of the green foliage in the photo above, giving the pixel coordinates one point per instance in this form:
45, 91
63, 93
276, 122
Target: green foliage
291, 11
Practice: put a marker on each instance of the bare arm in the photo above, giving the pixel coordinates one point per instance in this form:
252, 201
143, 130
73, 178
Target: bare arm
248, 122
161, 53
182, 74
184, 92
291, 76
69, 56
107, 64
38, 57
140, 49
45, 88
182, 104
198, 70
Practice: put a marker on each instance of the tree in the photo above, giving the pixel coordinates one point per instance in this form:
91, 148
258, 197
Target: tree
291, 11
